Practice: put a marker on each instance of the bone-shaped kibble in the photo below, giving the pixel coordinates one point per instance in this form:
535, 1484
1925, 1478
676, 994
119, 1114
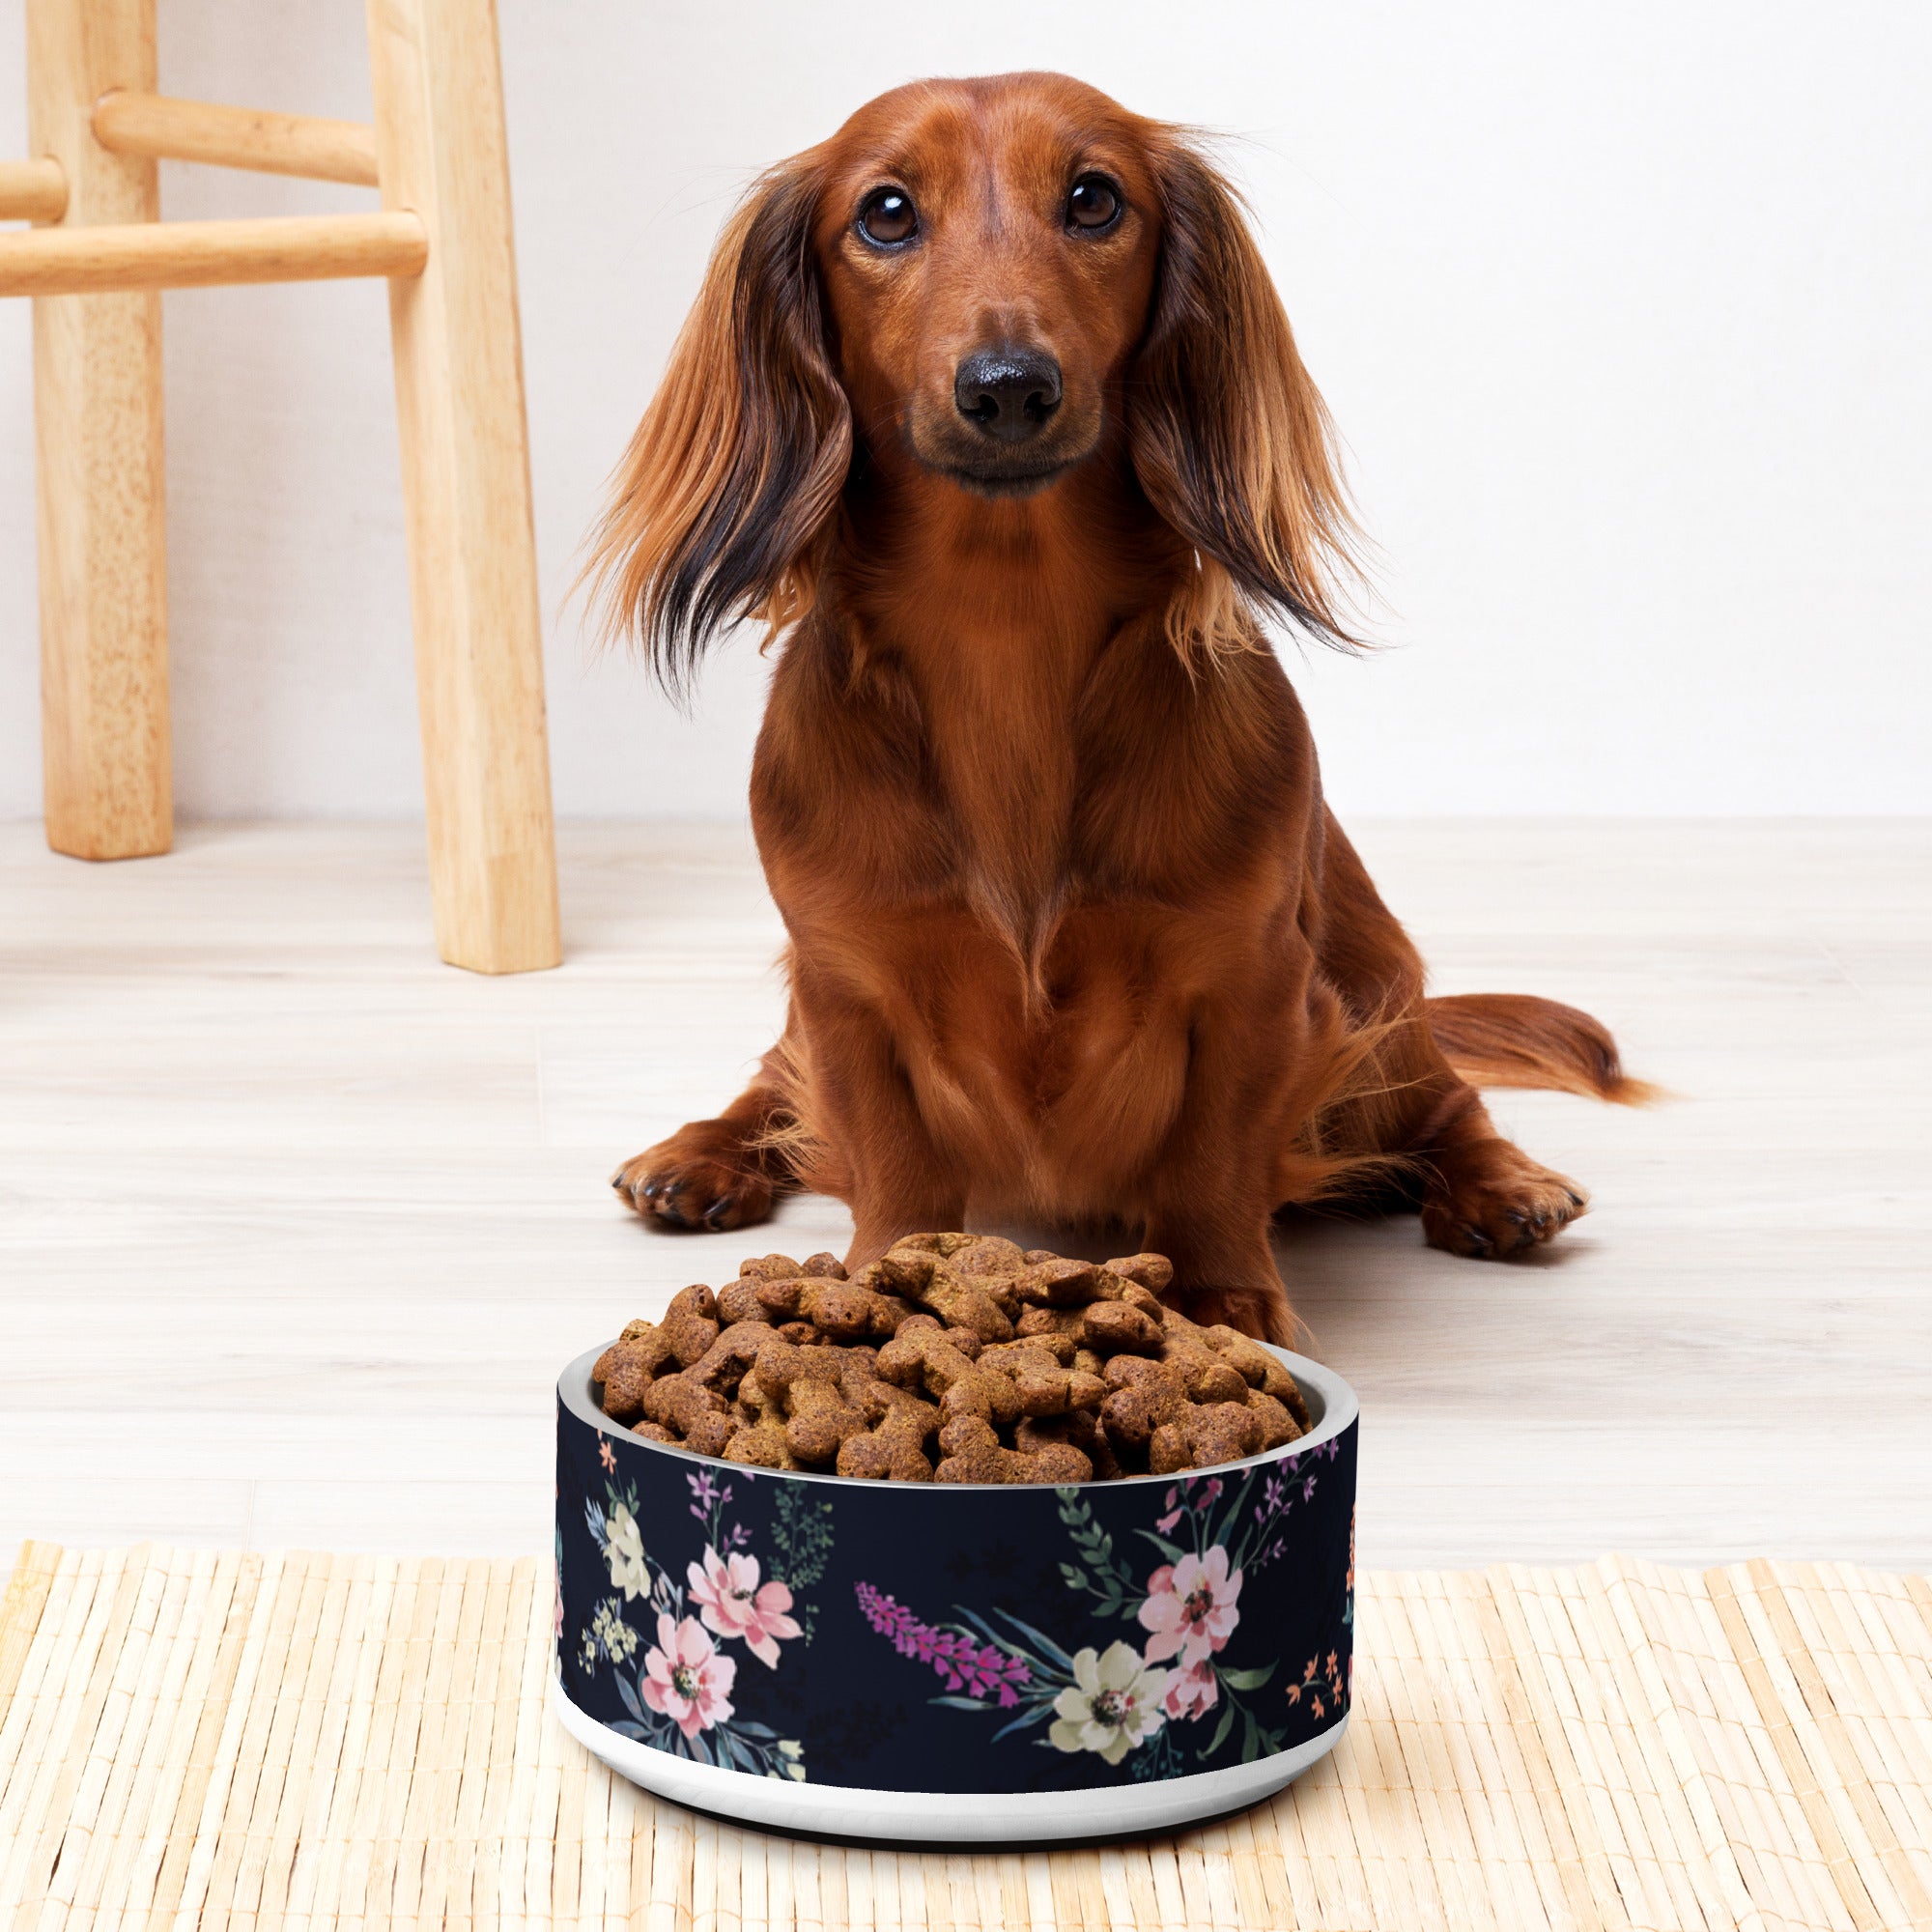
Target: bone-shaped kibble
988, 1258
1078, 1429
1258, 1367
924, 1278
1212, 1381
819, 1418
757, 1399
1279, 1427
1044, 1385
864, 1390
768, 1267
942, 1246
847, 1311
893, 1448
992, 1265
1152, 1272
1203, 1436
627, 1368
701, 1415
1036, 1323
1031, 1367
822, 1420
1145, 1395
724, 1365
761, 1444
921, 1359
1065, 1284
1054, 1345
964, 1339
875, 1399
973, 1454
1208, 1376
1119, 1327
738, 1300
783, 1363
675, 1398
690, 1323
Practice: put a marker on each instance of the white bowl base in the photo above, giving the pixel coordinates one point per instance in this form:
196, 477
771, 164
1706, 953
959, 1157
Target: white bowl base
943, 1817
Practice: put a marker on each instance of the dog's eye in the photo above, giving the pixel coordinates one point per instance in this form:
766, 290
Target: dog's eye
1095, 203
889, 218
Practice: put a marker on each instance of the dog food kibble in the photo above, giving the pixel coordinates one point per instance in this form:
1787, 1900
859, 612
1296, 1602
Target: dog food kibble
953, 1358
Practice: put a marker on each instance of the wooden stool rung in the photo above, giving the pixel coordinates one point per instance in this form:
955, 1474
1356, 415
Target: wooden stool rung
32, 190
128, 121
201, 254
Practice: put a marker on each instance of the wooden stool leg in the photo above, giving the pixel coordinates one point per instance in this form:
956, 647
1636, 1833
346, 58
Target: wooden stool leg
466, 482
97, 433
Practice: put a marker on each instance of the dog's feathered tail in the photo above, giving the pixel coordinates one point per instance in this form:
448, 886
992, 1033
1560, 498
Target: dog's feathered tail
1514, 1040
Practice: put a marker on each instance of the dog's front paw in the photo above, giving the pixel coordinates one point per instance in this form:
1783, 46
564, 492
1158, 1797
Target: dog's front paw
693, 1181
1492, 1201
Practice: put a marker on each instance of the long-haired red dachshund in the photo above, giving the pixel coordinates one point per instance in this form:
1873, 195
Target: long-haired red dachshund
990, 410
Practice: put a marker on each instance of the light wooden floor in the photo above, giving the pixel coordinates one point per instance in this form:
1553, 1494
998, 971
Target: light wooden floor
297, 1225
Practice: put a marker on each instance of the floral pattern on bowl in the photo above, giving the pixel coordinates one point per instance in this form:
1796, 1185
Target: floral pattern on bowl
1114, 1701
927, 1637
677, 1683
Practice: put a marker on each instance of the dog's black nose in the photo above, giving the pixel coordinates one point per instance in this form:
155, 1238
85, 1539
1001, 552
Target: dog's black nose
1010, 394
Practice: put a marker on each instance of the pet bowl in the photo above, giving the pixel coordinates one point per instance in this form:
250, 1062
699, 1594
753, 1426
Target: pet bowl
974, 1663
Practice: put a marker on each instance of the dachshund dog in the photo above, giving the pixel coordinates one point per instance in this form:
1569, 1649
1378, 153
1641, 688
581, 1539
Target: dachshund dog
989, 410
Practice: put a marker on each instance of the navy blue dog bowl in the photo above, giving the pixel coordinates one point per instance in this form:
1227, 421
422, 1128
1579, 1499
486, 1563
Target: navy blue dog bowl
967, 1662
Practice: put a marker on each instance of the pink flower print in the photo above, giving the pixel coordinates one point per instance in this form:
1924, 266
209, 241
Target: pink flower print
734, 1603
1192, 1693
685, 1678
605, 1455
1190, 1607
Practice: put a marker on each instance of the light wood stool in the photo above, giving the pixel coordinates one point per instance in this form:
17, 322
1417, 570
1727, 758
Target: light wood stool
442, 238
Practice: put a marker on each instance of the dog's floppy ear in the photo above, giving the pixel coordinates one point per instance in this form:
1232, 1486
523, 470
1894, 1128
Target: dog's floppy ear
718, 504
1230, 439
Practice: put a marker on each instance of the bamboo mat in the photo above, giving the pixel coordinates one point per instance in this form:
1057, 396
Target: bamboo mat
191, 1737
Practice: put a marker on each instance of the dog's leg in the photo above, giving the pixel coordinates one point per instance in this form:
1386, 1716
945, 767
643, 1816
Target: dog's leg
1224, 1271
1479, 1193
1207, 1200
719, 1174
880, 1155
1482, 1196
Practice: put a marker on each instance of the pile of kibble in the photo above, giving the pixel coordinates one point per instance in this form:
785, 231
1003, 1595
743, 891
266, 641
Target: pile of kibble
960, 1350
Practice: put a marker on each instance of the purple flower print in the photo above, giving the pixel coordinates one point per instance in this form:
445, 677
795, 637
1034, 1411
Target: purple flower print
980, 1671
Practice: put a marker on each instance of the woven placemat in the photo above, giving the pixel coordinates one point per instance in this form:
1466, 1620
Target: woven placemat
199, 1738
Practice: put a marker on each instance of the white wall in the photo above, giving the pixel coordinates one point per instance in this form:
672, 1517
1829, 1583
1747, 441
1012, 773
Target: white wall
1622, 311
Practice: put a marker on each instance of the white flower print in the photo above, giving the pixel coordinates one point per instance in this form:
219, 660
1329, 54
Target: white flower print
1112, 1705
630, 1573
617, 1638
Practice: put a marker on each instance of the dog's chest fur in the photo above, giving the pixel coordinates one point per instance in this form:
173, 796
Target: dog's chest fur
1026, 880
